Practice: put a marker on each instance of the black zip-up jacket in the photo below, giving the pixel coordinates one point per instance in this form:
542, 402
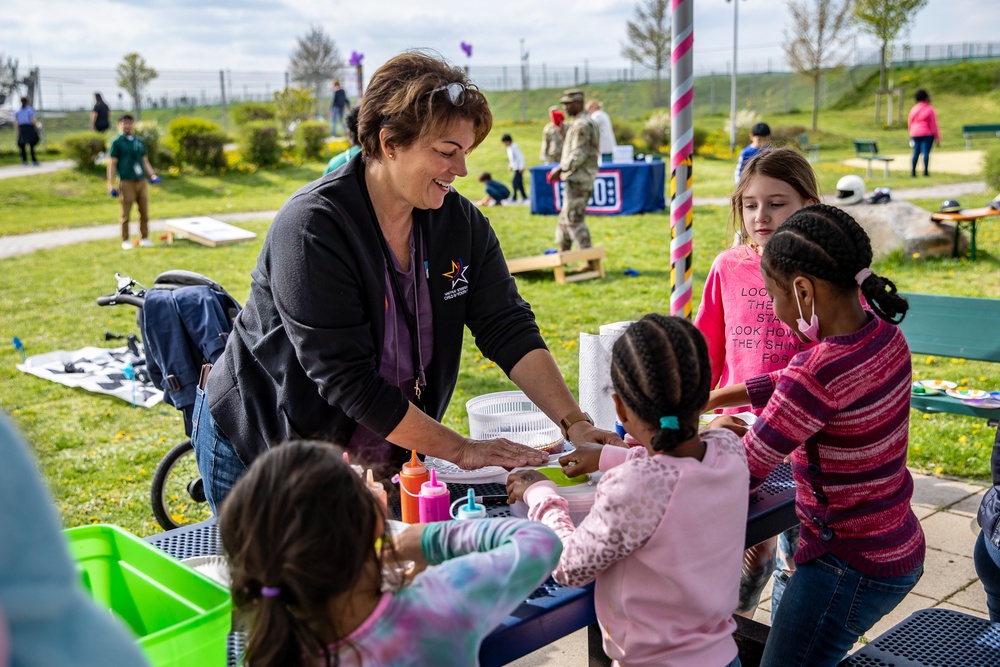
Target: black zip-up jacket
303, 358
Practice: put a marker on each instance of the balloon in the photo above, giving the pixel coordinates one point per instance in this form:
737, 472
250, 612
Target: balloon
467, 48
356, 58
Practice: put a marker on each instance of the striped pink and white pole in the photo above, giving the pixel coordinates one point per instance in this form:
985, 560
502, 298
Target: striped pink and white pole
681, 150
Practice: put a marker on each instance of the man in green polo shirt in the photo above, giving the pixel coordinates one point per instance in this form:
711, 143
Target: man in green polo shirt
128, 161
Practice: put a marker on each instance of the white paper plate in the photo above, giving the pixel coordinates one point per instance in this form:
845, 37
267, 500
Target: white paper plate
940, 385
449, 472
962, 394
707, 418
213, 567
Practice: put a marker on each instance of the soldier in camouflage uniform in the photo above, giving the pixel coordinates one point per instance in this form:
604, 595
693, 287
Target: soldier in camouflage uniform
553, 136
578, 169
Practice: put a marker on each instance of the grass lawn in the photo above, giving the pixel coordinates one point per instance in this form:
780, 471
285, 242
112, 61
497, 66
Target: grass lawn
98, 453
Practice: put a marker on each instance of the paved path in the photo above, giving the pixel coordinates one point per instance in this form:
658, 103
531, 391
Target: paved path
16, 170
23, 244
947, 513
969, 163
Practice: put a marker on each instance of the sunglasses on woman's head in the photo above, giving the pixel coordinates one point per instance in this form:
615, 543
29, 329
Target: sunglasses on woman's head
456, 92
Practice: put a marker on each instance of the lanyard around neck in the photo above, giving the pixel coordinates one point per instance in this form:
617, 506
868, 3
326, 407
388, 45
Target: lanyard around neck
397, 291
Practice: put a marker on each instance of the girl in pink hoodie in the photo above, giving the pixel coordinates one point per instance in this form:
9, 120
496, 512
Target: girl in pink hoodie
664, 539
924, 130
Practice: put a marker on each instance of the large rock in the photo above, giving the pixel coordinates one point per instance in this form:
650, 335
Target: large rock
901, 225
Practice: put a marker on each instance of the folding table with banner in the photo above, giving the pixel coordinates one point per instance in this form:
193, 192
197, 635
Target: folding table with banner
621, 188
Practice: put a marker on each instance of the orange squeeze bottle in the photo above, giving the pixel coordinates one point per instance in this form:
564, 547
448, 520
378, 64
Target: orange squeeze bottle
411, 477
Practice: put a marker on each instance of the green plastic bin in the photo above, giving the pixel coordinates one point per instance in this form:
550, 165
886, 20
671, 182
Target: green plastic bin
180, 617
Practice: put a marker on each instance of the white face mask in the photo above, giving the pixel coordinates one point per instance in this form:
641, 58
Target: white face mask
811, 330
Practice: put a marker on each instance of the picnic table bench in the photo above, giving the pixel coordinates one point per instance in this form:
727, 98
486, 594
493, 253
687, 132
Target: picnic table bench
970, 216
969, 130
957, 327
868, 150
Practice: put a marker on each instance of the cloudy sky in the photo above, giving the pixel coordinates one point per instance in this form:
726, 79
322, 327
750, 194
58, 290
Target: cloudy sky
259, 35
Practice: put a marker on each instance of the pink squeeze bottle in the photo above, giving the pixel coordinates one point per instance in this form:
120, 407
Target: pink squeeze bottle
435, 501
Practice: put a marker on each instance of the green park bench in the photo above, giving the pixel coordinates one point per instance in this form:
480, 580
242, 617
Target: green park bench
969, 130
958, 327
806, 147
868, 150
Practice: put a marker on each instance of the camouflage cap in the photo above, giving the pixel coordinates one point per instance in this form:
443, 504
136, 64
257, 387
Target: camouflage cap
574, 95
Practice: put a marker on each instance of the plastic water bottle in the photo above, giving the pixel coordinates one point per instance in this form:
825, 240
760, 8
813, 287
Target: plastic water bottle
411, 478
471, 510
376, 488
434, 500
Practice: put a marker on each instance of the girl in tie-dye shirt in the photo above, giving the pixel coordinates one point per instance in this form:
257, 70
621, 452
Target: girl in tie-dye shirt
312, 566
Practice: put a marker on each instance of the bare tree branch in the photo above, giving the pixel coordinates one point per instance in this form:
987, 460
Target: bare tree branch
649, 38
815, 41
316, 59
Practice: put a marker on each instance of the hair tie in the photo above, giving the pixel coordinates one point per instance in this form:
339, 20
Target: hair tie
862, 275
670, 422
270, 591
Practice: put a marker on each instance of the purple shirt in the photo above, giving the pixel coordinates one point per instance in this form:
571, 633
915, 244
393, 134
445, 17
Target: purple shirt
397, 352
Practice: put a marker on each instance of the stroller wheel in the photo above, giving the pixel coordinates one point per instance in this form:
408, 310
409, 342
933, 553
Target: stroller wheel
177, 494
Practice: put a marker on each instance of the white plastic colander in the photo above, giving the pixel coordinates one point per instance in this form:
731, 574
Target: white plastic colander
510, 415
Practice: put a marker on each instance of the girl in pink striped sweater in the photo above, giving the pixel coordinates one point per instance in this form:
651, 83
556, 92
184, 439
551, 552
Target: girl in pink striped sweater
841, 409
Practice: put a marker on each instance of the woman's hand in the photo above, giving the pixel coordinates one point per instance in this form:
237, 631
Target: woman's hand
583, 432
734, 424
475, 454
583, 460
518, 482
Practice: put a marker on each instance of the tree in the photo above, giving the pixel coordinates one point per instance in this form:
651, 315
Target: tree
9, 82
884, 20
649, 39
315, 60
133, 77
292, 106
818, 34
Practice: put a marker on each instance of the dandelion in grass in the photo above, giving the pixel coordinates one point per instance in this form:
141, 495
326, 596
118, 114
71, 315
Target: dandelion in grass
962, 439
926, 416
929, 360
938, 470
916, 255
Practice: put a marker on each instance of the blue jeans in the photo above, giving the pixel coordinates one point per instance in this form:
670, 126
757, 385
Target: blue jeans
337, 118
921, 146
826, 606
788, 544
218, 463
987, 560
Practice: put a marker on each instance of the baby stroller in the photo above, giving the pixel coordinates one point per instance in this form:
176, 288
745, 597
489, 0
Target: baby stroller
184, 319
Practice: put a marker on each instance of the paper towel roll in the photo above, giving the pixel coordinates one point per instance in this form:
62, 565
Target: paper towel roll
595, 374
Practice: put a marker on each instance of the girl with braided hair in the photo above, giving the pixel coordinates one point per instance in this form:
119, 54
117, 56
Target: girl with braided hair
664, 538
744, 337
841, 410
307, 542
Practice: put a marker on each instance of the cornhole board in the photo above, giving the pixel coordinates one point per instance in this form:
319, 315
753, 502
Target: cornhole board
559, 260
206, 231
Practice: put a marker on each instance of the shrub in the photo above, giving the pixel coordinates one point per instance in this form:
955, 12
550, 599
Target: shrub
83, 148
700, 136
293, 105
260, 143
152, 134
249, 112
197, 142
624, 132
656, 131
787, 135
310, 138
991, 168
745, 120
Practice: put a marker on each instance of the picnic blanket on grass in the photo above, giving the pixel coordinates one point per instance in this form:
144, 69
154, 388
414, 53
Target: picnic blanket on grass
96, 369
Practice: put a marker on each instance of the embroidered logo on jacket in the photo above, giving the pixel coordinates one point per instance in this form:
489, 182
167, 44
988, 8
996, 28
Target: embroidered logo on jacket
457, 275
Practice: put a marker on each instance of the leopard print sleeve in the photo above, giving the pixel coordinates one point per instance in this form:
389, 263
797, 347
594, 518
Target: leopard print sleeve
628, 506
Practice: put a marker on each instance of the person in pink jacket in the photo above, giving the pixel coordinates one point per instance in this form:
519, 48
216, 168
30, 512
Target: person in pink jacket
924, 130
745, 338
664, 539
